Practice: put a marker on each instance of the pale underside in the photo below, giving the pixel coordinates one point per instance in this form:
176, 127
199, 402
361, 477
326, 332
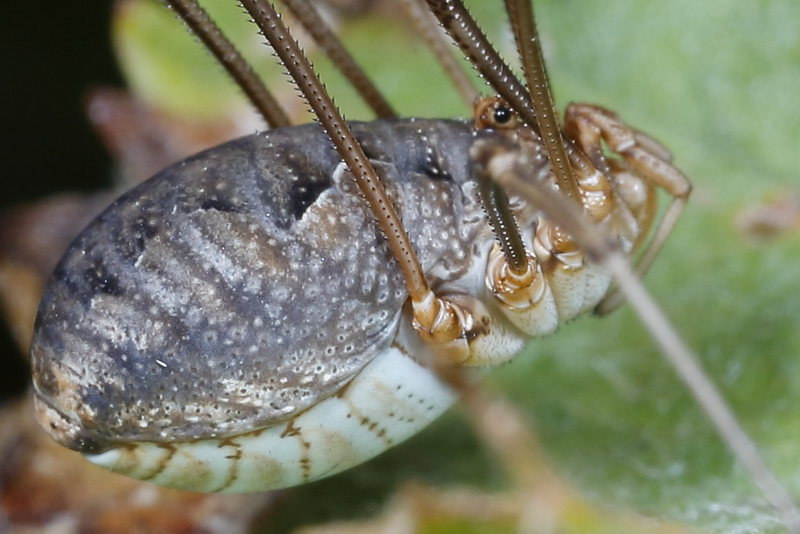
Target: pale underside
391, 399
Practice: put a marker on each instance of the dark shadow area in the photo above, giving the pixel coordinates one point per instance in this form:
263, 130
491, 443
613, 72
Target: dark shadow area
51, 54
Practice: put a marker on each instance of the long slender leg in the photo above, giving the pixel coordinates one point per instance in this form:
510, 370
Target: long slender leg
242, 73
334, 48
457, 21
433, 316
507, 168
466, 33
502, 220
520, 12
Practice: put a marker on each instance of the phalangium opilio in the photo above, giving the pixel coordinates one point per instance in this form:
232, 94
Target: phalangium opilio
620, 385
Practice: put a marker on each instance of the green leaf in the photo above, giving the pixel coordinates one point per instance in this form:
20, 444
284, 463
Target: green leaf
169, 68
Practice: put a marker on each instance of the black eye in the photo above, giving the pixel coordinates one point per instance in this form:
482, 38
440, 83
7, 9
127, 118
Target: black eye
502, 114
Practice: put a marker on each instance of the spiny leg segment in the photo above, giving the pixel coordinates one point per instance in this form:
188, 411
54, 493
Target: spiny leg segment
520, 13
469, 37
197, 19
434, 317
333, 47
504, 165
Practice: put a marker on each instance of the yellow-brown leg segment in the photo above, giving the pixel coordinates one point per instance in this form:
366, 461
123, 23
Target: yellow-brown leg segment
438, 321
509, 169
229, 57
590, 126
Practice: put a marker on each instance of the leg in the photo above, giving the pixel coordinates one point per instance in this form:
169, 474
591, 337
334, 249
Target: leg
514, 175
590, 125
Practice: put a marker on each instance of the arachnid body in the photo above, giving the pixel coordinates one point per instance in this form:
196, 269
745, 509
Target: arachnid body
292, 249
137, 360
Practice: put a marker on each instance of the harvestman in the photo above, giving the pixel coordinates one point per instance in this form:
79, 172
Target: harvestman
284, 350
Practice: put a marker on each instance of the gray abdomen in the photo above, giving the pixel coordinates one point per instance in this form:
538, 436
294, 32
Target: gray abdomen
243, 285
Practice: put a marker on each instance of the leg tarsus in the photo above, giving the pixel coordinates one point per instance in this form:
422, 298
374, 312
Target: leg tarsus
590, 125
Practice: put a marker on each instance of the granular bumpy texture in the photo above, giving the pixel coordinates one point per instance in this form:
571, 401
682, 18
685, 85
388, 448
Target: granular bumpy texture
243, 285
